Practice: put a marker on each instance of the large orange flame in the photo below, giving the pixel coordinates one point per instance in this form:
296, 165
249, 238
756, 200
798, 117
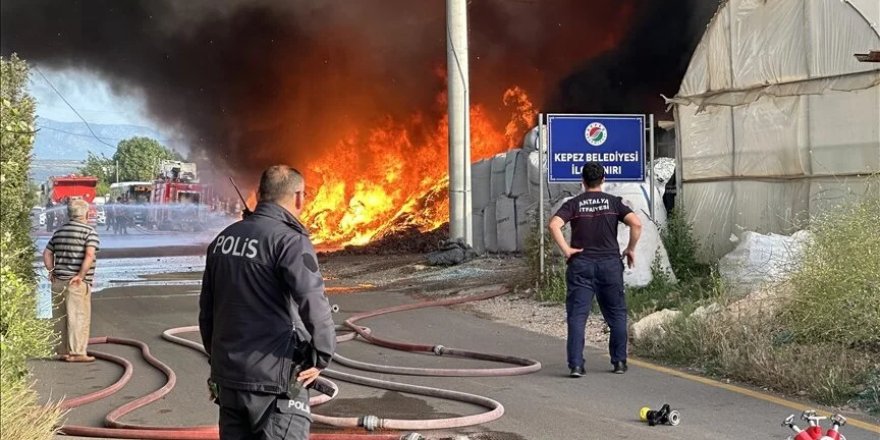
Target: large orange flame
394, 175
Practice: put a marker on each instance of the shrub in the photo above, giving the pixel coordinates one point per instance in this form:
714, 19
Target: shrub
837, 288
22, 335
16, 142
550, 286
759, 350
681, 246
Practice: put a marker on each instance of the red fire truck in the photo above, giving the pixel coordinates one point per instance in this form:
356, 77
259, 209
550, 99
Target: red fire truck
61, 189
180, 201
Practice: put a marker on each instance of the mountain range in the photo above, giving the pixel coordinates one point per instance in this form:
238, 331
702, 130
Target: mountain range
68, 141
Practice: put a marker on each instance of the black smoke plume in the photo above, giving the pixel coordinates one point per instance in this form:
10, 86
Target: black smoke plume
253, 82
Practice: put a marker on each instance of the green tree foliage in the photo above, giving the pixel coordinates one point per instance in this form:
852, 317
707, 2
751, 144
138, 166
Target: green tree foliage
16, 143
22, 335
101, 167
139, 157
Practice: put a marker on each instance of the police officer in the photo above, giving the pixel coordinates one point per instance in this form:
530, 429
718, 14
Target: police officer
595, 265
264, 319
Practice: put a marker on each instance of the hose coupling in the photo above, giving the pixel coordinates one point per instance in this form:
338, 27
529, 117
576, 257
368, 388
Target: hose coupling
438, 350
370, 423
334, 308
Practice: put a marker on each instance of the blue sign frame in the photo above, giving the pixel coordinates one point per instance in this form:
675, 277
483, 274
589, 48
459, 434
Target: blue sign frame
616, 141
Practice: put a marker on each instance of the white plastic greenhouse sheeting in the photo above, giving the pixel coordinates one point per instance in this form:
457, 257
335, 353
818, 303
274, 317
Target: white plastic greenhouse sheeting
776, 118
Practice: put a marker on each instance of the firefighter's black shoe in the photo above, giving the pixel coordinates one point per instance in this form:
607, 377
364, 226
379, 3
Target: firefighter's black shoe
620, 367
577, 372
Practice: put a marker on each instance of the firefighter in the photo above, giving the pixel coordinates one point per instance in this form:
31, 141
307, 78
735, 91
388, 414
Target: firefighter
110, 215
595, 265
264, 318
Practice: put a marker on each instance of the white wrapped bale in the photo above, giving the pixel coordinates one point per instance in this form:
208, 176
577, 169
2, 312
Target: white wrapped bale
516, 178
552, 191
505, 220
530, 140
566, 230
499, 171
525, 223
760, 259
477, 225
648, 249
490, 229
481, 185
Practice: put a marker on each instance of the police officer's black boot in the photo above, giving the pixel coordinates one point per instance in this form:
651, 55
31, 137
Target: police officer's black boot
577, 372
620, 367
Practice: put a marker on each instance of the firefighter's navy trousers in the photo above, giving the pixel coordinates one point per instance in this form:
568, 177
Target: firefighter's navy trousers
603, 277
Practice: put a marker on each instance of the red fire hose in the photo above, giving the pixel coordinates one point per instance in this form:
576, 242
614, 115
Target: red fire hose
495, 409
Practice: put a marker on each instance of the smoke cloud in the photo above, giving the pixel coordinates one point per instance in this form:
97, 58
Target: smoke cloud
249, 82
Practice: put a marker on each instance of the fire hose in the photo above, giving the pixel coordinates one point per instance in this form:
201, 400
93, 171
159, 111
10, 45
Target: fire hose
350, 331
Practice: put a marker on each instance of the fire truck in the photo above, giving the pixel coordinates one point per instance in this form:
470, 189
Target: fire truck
179, 201
61, 189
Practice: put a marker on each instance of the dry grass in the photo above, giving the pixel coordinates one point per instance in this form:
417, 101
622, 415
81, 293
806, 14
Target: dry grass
837, 289
22, 418
758, 350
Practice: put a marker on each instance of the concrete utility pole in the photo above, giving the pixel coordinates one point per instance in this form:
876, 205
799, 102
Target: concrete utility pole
460, 205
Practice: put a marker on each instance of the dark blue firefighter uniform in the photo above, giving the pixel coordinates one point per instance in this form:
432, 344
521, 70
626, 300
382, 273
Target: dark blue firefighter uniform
598, 270
263, 314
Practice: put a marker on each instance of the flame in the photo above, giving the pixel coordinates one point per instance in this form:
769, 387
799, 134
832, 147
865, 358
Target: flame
393, 176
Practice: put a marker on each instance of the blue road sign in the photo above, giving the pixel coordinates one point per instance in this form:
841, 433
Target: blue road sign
615, 141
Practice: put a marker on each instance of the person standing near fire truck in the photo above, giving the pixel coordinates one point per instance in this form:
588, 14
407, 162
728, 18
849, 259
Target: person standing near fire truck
594, 265
264, 319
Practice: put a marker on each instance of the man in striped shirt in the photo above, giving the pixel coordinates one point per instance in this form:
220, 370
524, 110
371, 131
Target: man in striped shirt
70, 259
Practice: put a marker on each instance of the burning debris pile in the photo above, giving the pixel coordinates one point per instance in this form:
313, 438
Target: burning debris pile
405, 241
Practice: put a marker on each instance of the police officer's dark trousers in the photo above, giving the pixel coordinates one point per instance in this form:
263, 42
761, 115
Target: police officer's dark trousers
602, 277
246, 415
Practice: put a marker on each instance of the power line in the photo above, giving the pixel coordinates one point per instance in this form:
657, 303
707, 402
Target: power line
43, 127
71, 107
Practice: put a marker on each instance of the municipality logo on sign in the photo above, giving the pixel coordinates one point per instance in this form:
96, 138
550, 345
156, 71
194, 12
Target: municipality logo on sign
596, 134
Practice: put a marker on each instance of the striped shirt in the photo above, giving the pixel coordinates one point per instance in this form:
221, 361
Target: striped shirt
69, 244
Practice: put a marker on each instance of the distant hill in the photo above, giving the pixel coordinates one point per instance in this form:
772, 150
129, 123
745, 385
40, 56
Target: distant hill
42, 169
73, 141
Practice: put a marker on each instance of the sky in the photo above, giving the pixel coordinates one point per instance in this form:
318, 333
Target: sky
90, 95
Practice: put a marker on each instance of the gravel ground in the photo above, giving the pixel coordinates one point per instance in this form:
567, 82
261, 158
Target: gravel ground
409, 273
522, 310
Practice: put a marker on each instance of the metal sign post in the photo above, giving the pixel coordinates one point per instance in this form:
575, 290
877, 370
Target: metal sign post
540, 144
651, 170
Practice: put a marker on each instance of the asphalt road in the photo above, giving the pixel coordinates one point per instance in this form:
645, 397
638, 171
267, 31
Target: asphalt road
544, 405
